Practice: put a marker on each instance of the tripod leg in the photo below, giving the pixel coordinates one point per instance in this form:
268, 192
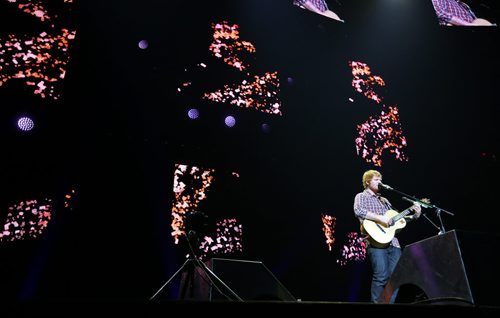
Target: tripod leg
211, 277
172, 277
187, 282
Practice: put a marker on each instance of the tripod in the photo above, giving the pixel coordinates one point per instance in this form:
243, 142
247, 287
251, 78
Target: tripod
192, 266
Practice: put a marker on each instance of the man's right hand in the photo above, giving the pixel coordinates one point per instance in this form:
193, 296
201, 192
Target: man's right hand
386, 220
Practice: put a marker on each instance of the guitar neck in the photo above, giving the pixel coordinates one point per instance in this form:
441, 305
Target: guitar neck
401, 215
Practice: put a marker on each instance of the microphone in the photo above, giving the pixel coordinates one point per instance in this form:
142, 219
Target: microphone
385, 186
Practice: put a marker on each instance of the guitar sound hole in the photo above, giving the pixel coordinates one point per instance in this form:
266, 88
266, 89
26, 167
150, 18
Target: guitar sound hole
381, 228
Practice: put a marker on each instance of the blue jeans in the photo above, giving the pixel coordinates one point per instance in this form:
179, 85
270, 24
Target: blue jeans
383, 261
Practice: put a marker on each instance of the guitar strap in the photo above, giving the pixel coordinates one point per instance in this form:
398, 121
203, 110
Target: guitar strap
385, 202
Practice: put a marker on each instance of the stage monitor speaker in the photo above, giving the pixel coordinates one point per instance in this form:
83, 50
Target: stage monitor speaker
249, 280
456, 267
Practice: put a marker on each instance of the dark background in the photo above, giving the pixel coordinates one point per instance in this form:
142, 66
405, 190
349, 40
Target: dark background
120, 127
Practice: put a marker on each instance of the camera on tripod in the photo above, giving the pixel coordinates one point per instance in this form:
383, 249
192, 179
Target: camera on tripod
195, 226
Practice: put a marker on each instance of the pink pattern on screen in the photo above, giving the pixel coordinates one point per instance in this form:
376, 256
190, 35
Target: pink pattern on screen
191, 186
38, 60
382, 132
255, 91
26, 219
353, 250
329, 223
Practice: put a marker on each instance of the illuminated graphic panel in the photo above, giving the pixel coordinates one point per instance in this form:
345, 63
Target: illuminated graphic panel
39, 60
255, 91
192, 186
26, 219
227, 240
29, 219
319, 7
353, 250
329, 223
458, 13
380, 133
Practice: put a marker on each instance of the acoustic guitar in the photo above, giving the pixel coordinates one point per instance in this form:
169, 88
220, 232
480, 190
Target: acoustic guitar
482, 22
380, 235
478, 22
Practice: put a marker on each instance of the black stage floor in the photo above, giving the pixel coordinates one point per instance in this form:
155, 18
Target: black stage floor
148, 308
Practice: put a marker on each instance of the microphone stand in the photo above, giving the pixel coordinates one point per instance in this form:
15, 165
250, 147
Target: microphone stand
414, 200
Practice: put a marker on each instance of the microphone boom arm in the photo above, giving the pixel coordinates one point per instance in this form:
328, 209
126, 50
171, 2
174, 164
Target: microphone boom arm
414, 200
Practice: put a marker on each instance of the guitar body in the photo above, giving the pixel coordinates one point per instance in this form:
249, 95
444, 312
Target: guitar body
478, 22
381, 235
482, 22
